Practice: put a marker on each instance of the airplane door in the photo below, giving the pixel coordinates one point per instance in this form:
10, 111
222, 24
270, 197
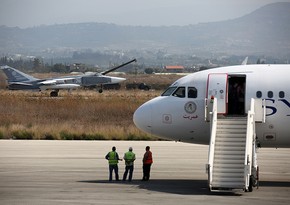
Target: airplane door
217, 87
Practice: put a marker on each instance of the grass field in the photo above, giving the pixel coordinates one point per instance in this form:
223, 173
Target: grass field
77, 115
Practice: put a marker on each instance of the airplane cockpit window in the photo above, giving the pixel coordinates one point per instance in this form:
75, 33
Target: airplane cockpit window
168, 91
192, 92
180, 92
258, 94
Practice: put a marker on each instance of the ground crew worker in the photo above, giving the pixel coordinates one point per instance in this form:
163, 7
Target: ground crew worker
113, 159
147, 161
129, 158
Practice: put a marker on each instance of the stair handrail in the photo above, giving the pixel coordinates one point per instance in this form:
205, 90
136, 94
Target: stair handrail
207, 109
213, 126
249, 144
264, 110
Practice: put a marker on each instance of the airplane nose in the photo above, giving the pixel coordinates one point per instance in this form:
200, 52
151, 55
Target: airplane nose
117, 79
143, 118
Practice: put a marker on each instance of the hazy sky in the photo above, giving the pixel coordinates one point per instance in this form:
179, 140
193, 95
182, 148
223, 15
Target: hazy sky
28, 13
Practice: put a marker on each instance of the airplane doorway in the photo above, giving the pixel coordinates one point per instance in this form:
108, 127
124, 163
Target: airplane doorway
236, 95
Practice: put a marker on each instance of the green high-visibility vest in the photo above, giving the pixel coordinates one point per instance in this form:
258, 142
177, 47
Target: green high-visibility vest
113, 158
129, 158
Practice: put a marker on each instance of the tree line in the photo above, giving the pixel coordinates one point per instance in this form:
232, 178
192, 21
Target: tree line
35, 65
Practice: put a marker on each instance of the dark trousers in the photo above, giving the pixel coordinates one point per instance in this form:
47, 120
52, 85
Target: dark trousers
146, 172
115, 168
129, 169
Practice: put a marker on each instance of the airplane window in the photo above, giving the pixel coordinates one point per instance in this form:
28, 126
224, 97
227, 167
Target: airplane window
270, 94
192, 92
281, 94
259, 94
168, 91
180, 92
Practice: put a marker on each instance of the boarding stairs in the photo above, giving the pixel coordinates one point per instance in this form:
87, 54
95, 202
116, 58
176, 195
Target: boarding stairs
232, 152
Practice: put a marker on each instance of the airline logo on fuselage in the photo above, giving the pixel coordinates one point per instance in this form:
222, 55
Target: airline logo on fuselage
190, 108
272, 110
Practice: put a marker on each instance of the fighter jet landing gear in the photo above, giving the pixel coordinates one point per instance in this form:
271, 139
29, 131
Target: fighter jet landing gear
54, 93
101, 89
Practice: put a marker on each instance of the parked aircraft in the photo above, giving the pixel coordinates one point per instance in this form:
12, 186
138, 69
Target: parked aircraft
233, 109
18, 80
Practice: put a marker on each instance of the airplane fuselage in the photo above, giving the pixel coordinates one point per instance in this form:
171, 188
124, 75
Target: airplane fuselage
179, 113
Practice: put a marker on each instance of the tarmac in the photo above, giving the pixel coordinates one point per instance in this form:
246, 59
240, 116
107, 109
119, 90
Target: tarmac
76, 172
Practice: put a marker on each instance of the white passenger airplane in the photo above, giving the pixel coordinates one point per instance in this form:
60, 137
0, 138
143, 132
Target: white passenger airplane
233, 109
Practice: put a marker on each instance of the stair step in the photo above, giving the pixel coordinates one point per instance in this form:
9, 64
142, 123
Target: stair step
228, 185
228, 178
231, 124
238, 175
220, 145
237, 134
229, 157
234, 123
228, 161
226, 181
230, 152
232, 119
228, 168
231, 134
235, 147
233, 141
227, 126
232, 131
230, 143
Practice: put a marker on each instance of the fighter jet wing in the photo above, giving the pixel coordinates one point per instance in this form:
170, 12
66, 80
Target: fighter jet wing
115, 68
58, 81
48, 82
